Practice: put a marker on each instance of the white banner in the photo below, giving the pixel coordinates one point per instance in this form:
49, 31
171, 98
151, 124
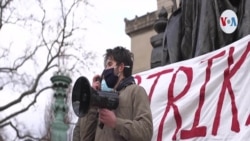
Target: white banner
206, 98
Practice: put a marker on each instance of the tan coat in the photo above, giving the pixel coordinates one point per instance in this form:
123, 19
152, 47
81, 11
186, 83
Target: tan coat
134, 120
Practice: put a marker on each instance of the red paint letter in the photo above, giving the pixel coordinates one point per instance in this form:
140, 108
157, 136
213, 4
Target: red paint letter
138, 77
172, 100
227, 85
200, 131
157, 75
248, 120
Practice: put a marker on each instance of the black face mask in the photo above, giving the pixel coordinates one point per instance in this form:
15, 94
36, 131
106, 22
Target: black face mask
110, 77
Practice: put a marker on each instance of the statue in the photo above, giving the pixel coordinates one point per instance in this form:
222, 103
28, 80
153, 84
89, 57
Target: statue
194, 28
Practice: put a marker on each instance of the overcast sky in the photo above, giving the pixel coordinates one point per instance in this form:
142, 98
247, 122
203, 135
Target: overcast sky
107, 27
110, 31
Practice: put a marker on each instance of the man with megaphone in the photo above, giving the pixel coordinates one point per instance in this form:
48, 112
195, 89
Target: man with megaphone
125, 115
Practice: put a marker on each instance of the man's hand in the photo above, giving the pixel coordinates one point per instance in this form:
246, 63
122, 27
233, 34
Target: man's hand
96, 84
107, 117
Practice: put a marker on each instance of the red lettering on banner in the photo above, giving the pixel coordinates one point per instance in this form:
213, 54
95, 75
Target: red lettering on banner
157, 75
248, 121
171, 100
197, 131
138, 77
227, 85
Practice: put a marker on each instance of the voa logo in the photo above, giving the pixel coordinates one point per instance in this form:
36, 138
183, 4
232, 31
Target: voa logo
228, 21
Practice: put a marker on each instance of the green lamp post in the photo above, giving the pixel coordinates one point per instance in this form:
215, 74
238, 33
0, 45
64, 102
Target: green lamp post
59, 129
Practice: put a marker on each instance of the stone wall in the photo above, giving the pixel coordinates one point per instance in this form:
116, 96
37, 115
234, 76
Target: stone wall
140, 30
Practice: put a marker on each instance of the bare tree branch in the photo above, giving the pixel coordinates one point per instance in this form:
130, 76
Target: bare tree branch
26, 108
54, 37
33, 88
3, 6
22, 136
19, 62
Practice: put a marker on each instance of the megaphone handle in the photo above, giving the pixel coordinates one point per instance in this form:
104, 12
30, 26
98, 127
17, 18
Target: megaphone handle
101, 125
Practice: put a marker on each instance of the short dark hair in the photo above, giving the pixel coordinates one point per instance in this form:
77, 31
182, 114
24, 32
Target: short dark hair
121, 55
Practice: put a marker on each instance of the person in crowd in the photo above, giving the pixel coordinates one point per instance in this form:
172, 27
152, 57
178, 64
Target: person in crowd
132, 119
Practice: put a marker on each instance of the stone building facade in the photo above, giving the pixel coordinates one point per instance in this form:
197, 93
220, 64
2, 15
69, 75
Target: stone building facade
140, 30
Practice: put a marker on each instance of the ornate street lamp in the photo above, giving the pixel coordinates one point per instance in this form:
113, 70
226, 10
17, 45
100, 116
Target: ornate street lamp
59, 128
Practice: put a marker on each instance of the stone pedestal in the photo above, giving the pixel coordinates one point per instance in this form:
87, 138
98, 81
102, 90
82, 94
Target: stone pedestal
157, 40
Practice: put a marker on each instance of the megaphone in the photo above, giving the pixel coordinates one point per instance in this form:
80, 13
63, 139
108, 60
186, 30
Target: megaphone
84, 96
